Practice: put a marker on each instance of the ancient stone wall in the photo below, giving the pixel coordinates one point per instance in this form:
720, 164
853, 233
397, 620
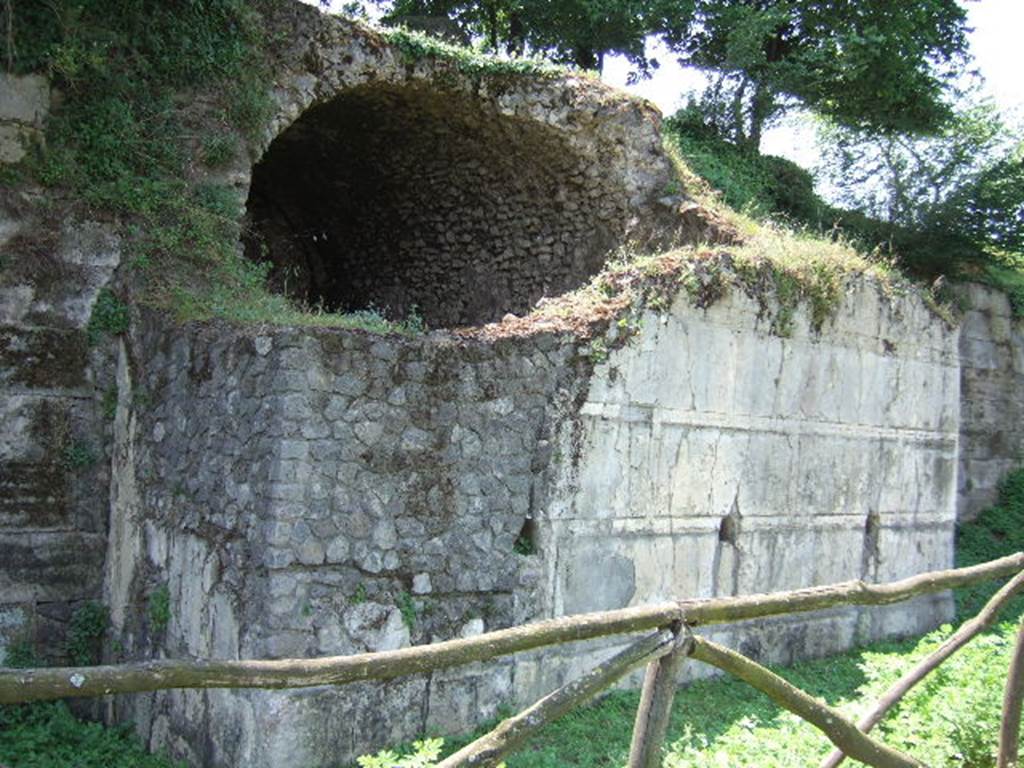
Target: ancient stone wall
289, 492
301, 493
316, 493
53, 471
992, 380
717, 458
24, 106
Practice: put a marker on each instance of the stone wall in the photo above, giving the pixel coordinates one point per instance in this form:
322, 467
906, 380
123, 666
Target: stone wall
716, 458
303, 494
24, 107
53, 508
289, 492
299, 493
992, 380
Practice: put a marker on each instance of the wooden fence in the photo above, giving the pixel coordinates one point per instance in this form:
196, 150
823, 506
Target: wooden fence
669, 641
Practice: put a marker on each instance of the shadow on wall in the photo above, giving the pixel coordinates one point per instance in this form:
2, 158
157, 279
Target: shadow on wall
407, 199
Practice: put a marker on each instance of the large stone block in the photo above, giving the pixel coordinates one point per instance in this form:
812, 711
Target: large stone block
43, 358
51, 567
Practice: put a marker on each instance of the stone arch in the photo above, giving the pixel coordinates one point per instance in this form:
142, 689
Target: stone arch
418, 188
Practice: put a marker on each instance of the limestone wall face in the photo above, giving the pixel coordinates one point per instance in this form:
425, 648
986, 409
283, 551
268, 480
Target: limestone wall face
716, 458
992, 380
24, 107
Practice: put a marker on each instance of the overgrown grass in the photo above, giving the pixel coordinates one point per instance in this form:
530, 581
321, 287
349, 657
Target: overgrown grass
951, 719
416, 46
783, 269
767, 188
50, 736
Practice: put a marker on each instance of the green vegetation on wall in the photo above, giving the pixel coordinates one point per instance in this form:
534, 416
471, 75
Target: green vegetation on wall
148, 88
775, 189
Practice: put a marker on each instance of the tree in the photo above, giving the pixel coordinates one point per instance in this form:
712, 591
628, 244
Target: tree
867, 64
901, 178
579, 33
962, 189
988, 209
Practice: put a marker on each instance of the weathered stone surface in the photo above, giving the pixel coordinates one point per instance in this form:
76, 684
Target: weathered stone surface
381, 187
992, 413
33, 496
44, 357
295, 492
719, 459
50, 567
24, 105
15, 628
53, 502
321, 512
24, 98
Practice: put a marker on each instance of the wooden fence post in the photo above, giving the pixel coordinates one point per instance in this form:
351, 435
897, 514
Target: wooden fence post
1009, 730
489, 750
652, 714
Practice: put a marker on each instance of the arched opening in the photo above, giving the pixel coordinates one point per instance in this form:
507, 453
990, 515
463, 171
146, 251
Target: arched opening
409, 199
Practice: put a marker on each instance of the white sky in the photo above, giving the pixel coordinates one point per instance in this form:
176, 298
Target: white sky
995, 43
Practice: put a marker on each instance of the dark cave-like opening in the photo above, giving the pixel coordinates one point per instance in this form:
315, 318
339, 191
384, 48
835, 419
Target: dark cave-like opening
407, 199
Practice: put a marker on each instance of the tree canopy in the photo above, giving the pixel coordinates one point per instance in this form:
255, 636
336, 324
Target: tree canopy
863, 63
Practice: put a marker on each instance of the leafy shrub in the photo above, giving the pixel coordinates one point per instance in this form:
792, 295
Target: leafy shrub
159, 608
50, 736
109, 316
85, 633
424, 754
996, 532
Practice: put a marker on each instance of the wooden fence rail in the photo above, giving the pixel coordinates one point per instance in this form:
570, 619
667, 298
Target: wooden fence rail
668, 643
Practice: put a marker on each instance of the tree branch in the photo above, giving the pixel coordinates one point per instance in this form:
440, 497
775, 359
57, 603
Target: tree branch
24, 685
1009, 729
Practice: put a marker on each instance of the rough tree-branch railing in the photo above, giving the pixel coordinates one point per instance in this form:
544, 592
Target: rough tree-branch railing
668, 643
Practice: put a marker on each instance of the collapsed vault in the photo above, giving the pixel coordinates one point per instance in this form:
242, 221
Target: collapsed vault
410, 200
